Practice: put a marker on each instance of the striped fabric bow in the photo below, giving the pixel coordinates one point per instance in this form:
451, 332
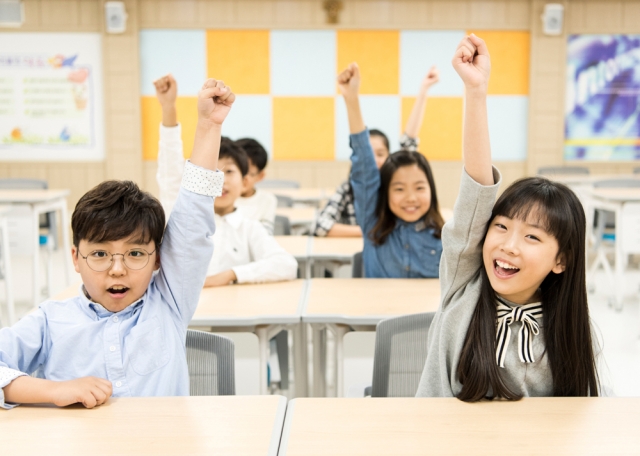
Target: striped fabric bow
527, 315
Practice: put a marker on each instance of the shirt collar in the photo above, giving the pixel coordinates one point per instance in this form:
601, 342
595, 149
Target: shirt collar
100, 311
234, 218
418, 226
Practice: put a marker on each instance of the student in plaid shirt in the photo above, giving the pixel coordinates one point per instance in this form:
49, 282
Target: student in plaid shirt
338, 218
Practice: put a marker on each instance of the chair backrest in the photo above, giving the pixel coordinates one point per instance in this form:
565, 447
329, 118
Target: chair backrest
211, 365
278, 183
282, 226
400, 354
547, 170
357, 266
617, 183
284, 201
636, 170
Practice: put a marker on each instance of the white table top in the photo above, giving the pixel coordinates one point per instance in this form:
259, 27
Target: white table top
617, 194
297, 246
447, 426
31, 196
335, 248
368, 301
298, 215
251, 304
220, 425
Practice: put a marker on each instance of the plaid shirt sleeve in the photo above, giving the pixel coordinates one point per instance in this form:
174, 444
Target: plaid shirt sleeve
333, 211
408, 143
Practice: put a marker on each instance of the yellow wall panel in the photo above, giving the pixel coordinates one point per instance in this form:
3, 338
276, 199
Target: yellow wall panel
152, 117
303, 128
441, 132
377, 54
240, 58
510, 56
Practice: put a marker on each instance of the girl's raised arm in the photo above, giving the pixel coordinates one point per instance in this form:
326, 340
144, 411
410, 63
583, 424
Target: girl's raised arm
471, 62
349, 85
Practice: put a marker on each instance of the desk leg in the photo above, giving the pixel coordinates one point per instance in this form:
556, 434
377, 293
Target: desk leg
620, 261
263, 351
339, 331
64, 215
319, 361
300, 362
36, 256
8, 275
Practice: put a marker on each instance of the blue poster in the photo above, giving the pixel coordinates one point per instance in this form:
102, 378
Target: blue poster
602, 115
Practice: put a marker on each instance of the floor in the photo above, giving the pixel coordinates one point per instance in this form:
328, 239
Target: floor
620, 333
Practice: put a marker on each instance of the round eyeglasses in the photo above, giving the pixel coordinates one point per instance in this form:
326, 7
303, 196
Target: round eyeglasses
101, 260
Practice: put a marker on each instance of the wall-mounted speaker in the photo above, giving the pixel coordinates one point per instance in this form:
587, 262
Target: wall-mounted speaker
552, 19
116, 17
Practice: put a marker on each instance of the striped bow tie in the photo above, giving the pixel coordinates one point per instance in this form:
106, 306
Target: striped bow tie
527, 315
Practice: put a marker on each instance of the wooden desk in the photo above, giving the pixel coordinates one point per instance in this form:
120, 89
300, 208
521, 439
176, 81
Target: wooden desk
335, 248
220, 425
343, 305
264, 309
298, 216
299, 247
447, 426
41, 202
625, 204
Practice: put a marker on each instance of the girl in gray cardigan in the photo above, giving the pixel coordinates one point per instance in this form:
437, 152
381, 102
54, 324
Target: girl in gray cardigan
516, 267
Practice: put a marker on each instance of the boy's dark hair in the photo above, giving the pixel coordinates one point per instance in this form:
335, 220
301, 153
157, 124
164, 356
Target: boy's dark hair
386, 220
376, 132
116, 210
256, 153
567, 328
230, 149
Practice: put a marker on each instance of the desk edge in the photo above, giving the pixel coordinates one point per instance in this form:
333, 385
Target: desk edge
286, 429
278, 424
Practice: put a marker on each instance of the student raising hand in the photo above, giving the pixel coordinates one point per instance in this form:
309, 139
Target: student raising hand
430, 79
214, 101
167, 93
471, 62
349, 81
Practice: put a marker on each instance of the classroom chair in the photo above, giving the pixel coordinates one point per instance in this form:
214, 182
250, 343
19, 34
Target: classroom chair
282, 226
636, 170
357, 266
210, 360
284, 201
277, 183
550, 170
400, 354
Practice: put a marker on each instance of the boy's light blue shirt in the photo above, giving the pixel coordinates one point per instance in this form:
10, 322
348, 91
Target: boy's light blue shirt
411, 250
140, 349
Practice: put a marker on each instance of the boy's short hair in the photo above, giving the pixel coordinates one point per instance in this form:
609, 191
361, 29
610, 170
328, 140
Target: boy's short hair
256, 153
116, 210
235, 152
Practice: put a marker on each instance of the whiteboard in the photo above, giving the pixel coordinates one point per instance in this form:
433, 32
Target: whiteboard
51, 97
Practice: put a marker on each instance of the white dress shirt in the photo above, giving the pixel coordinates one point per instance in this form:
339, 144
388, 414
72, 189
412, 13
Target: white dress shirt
240, 243
260, 206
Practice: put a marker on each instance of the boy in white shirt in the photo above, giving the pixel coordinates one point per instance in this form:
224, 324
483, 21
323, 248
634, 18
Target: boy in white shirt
257, 204
246, 253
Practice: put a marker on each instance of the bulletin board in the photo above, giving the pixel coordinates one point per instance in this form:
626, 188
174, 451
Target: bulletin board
51, 104
602, 121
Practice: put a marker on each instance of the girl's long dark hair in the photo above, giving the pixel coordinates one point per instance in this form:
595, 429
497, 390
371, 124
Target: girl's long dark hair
566, 328
386, 220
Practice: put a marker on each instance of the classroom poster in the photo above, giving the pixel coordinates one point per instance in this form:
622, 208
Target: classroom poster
602, 117
51, 105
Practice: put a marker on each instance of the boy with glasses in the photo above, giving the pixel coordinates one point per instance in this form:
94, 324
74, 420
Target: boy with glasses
124, 335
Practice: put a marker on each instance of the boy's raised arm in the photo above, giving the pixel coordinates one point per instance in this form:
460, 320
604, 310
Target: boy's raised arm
471, 62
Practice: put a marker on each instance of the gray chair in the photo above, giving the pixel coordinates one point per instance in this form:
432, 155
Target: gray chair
211, 364
400, 354
551, 170
278, 183
48, 220
636, 170
282, 226
357, 266
284, 201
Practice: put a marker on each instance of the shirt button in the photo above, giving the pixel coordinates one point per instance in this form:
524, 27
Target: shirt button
406, 268
118, 384
433, 252
112, 348
406, 246
115, 319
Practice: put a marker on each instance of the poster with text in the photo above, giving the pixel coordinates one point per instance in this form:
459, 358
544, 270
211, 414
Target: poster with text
602, 117
51, 105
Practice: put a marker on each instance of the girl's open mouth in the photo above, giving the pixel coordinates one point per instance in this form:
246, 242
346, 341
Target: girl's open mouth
504, 269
